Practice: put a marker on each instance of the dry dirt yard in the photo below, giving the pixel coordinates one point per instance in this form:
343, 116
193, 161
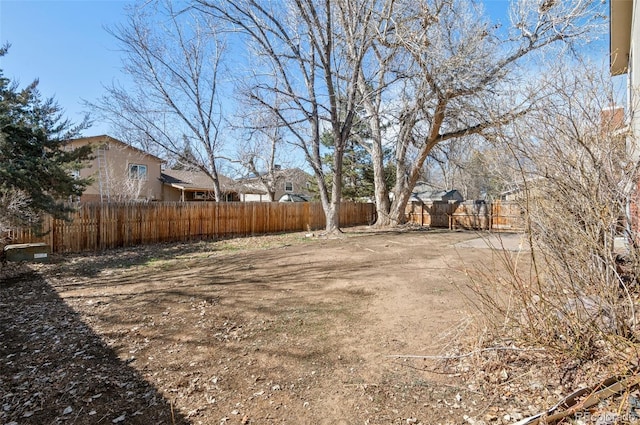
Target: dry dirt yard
262, 330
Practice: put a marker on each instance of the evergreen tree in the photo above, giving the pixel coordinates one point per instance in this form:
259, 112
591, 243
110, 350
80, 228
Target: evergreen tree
357, 167
357, 173
36, 168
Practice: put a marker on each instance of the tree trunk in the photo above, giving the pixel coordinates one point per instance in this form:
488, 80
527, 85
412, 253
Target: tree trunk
380, 187
332, 213
217, 192
213, 173
397, 213
333, 218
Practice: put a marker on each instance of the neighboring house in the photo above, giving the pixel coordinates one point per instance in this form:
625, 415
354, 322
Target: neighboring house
515, 194
624, 40
291, 181
423, 192
119, 172
185, 186
533, 187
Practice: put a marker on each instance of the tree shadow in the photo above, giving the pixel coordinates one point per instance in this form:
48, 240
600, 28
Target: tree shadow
54, 368
92, 264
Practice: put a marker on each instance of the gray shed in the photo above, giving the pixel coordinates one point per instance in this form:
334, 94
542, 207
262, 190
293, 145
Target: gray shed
424, 193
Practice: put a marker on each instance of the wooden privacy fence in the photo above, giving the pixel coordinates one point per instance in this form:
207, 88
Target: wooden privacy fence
96, 226
478, 215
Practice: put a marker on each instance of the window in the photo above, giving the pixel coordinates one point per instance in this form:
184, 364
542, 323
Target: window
75, 174
288, 186
137, 172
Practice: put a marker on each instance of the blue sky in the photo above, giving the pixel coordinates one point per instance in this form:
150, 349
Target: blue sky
65, 45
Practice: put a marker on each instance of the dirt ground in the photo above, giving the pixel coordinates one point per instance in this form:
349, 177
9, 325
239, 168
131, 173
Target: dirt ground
263, 330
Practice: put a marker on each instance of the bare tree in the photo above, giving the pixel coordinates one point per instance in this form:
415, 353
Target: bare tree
448, 73
300, 57
258, 156
475, 166
446, 163
15, 211
262, 153
129, 188
174, 59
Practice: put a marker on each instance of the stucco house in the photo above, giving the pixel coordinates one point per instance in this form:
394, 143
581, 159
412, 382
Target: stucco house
289, 181
119, 172
624, 40
196, 186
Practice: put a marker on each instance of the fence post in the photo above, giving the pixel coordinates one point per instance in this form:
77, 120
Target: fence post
98, 214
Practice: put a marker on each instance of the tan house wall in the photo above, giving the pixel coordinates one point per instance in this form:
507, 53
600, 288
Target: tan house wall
299, 185
170, 194
118, 157
254, 197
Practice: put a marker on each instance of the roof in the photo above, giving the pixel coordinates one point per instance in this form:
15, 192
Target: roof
253, 184
195, 181
285, 172
294, 197
423, 192
95, 140
621, 12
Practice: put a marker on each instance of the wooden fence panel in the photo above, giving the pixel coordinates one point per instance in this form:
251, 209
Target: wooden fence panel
495, 216
507, 216
96, 227
471, 215
431, 214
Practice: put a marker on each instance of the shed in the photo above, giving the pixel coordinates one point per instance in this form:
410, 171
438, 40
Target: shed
424, 193
294, 197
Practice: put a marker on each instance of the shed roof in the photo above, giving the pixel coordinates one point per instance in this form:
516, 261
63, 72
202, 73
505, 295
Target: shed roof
294, 197
425, 193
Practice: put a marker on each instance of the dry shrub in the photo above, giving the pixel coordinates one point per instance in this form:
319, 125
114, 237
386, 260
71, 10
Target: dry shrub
576, 295
15, 211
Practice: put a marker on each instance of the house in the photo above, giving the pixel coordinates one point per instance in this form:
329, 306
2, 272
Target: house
624, 34
185, 186
624, 39
529, 188
290, 181
119, 172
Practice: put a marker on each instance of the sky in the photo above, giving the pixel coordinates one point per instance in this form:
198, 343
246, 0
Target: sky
64, 44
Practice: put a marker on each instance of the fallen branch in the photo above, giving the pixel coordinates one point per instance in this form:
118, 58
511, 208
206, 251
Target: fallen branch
461, 356
572, 403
